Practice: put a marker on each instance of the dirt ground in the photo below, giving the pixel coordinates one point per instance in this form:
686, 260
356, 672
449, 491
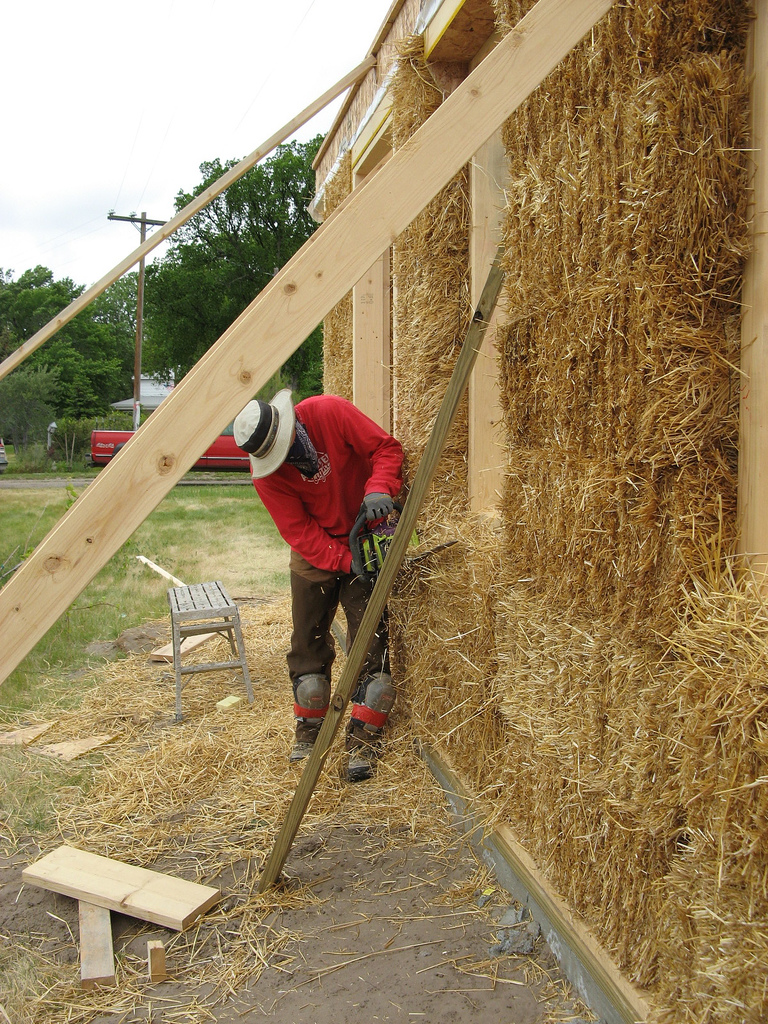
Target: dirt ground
378, 916
382, 938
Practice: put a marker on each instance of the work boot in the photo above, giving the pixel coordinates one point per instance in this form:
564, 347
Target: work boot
362, 763
300, 750
306, 734
364, 746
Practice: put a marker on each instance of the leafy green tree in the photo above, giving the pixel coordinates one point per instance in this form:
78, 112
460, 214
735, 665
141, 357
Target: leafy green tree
222, 258
26, 405
92, 354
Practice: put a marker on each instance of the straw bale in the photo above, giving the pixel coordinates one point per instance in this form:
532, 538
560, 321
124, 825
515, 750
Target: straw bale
337, 325
579, 664
431, 287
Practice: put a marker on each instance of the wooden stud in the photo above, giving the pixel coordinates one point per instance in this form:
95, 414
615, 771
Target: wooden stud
371, 346
277, 321
485, 459
753, 443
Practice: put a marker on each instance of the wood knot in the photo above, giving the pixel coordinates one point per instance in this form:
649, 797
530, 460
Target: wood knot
245, 377
290, 288
165, 464
53, 563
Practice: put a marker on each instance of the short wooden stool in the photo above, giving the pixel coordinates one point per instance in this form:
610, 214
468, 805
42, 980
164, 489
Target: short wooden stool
205, 608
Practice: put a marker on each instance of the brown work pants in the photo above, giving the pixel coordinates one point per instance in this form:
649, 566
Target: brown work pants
316, 594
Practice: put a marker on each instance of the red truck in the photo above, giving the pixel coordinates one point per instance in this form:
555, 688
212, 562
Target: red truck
223, 453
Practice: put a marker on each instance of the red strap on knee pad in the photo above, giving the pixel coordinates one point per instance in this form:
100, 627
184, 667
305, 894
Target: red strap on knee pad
365, 714
301, 712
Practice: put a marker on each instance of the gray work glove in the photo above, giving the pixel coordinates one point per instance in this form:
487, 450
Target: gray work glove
377, 506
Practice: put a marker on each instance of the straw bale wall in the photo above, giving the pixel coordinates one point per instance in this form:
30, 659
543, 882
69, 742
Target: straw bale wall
590, 661
337, 325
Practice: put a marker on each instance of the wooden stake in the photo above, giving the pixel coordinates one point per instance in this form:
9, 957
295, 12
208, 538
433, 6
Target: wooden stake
405, 527
278, 320
156, 960
193, 207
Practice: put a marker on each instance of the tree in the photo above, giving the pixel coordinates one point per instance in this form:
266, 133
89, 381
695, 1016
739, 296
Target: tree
26, 404
222, 258
92, 354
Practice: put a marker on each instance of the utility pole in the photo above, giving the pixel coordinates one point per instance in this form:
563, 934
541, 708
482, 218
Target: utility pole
142, 220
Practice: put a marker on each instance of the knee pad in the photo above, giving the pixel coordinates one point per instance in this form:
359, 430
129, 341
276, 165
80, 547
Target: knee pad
312, 694
379, 697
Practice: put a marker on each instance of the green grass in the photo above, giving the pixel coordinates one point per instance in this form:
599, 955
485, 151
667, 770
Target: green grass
195, 533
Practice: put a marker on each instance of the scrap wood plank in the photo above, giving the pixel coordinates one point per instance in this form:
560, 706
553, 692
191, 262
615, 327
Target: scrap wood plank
189, 643
24, 735
97, 957
137, 892
285, 311
69, 750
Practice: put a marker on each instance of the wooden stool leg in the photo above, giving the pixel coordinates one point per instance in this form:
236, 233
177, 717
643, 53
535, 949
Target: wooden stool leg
177, 664
243, 662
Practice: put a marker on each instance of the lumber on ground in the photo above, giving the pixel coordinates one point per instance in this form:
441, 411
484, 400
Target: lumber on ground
137, 892
277, 321
97, 957
348, 682
193, 207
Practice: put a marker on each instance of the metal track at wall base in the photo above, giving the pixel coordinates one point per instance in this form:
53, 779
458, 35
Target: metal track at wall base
588, 968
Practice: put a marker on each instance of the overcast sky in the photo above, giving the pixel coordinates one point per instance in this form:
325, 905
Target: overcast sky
114, 105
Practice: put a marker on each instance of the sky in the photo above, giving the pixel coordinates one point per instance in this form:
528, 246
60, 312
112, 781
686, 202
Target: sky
113, 106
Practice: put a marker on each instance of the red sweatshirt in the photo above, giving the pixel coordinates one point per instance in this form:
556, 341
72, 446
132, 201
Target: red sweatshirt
356, 458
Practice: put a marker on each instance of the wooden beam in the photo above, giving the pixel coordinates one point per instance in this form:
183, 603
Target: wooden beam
137, 892
753, 442
277, 321
485, 454
193, 207
371, 353
395, 554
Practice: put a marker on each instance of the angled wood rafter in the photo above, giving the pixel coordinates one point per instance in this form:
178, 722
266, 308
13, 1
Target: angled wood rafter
277, 321
181, 218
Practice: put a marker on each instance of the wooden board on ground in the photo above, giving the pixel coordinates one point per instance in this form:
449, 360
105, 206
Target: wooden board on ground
27, 734
69, 750
97, 958
138, 892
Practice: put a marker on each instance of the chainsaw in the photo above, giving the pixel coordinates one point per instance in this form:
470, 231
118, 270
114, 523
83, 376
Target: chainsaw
369, 541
